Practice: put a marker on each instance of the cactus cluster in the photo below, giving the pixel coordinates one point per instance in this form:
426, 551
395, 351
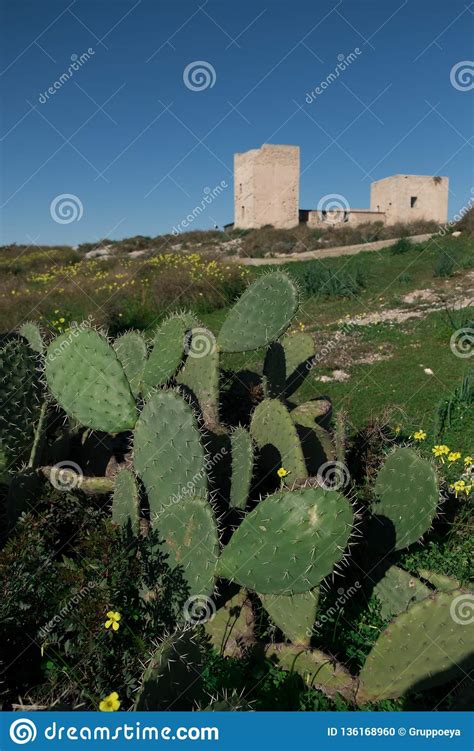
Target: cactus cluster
211, 488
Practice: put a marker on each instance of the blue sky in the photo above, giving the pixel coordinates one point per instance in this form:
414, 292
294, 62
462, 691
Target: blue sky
138, 149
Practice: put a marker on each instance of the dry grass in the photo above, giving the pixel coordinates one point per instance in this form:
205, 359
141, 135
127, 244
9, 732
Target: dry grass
55, 286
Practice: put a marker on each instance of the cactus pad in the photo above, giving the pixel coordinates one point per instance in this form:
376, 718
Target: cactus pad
397, 589
231, 629
168, 454
439, 581
242, 467
20, 399
293, 614
132, 352
408, 491
429, 644
200, 373
190, 539
275, 434
172, 680
317, 669
32, 333
87, 379
167, 352
289, 542
317, 444
287, 363
261, 315
126, 501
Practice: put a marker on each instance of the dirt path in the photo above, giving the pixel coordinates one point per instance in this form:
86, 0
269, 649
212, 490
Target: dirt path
311, 255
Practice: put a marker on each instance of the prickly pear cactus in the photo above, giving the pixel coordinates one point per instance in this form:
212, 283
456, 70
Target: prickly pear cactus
242, 467
32, 333
167, 352
20, 400
190, 539
439, 581
317, 669
172, 680
200, 374
427, 645
289, 542
293, 614
86, 378
168, 453
261, 315
275, 434
132, 352
231, 630
287, 363
397, 589
408, 493
126, 501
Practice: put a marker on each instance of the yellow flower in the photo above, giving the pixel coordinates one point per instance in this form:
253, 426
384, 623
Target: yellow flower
113, 621
282, 472
453, 456
397, 429
111, 703
440, 450
468, 461
460, 487
419, 435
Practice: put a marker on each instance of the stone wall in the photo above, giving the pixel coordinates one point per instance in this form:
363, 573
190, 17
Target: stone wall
266, 187
407, 198
336, 218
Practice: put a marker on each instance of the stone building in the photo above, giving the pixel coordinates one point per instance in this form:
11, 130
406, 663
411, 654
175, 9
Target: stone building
266, 191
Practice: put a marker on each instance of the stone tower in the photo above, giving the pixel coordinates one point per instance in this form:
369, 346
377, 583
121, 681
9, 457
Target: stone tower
407, 198
266, 187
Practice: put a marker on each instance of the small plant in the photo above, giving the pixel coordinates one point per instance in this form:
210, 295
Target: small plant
401, 246
444, 265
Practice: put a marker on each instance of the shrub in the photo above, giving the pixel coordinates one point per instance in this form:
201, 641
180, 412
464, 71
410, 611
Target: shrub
318, 281
444, 265
401, 246
62, 570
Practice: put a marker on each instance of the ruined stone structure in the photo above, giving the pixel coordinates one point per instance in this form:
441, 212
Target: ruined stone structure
406, 198
266, 191
266, 187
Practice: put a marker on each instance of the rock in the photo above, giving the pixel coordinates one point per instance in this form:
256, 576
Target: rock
456, 234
